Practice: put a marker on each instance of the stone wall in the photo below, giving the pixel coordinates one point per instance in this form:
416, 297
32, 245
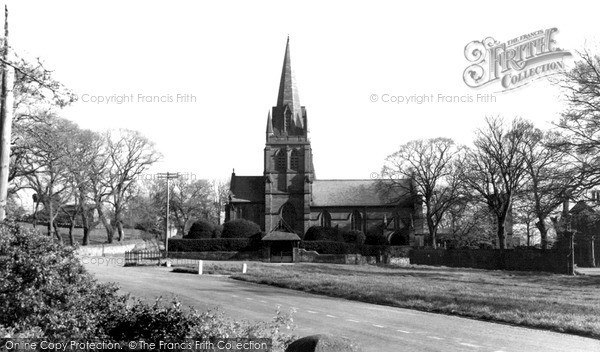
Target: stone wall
304, 256
105, 249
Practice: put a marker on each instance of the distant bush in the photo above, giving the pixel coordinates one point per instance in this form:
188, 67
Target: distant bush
214, 245
320, 233
239, 229
201, 229
354, 236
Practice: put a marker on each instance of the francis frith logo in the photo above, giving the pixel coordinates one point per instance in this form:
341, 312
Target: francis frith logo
514, 63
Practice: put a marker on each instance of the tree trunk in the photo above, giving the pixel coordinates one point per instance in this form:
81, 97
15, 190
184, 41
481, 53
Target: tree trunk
541, 225
592, 253
86, 229
37, 205
71, 228
432, 231
528, 234
107, 225
56, 232
120, 229
501, 235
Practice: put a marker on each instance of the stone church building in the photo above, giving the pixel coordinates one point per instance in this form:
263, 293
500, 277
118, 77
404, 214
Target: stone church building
288, 197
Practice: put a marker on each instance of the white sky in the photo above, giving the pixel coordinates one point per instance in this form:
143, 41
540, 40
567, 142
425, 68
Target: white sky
229, 55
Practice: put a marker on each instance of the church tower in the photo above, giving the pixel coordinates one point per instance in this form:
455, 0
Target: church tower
288, 167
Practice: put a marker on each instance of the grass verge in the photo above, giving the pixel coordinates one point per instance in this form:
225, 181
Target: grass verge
555, 302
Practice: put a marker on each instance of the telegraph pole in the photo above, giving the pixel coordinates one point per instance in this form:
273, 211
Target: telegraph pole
167, 176
6, 116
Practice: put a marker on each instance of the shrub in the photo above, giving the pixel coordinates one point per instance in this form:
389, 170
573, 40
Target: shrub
354, 236
214, 245
320, 233
44, 286
376, 239
45, 292
201, 229
171, 323
239, 229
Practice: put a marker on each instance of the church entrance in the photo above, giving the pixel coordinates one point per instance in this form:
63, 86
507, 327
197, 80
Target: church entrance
280, 246
282, 252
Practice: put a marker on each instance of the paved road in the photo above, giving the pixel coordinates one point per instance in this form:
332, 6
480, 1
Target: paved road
376, 328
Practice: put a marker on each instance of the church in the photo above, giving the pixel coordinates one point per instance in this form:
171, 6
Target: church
289, 198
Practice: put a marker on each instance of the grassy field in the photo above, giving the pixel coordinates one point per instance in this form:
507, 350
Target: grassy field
209, 267
555, 302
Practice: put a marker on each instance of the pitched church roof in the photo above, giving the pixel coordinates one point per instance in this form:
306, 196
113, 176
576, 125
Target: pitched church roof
249, 189
327, 193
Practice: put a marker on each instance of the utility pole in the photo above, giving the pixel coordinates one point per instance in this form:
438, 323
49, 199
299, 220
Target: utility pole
167, 176
6, 116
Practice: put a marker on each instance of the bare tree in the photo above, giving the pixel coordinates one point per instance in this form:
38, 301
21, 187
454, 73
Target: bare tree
494, 168
552, 175
191, 200
221, 188
432, 165
84, 148
580, 123
48, 157
130, 154
467, 224
25, 89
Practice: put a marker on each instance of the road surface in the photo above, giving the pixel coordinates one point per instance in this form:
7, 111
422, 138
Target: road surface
374, 327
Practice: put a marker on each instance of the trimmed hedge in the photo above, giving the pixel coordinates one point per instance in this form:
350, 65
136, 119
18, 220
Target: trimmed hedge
214, 245
201, 229
376, 239
320, 233
354, 236
494, 259
240, 229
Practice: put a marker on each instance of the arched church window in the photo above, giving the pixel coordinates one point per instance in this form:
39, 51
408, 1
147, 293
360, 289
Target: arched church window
325, 219
356, 221
280, 160
295, 160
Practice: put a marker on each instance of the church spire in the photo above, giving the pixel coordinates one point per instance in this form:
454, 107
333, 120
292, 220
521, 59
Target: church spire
288, 91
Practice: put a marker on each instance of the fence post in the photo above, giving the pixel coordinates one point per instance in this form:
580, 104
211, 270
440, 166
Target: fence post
200, 267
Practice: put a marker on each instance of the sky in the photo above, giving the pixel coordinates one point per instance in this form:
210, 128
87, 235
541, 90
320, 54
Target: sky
226, 57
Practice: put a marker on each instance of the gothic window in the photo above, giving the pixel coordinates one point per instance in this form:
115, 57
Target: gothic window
288, 215
356, 221
295, 160
397, 222
325, 219
280, 160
